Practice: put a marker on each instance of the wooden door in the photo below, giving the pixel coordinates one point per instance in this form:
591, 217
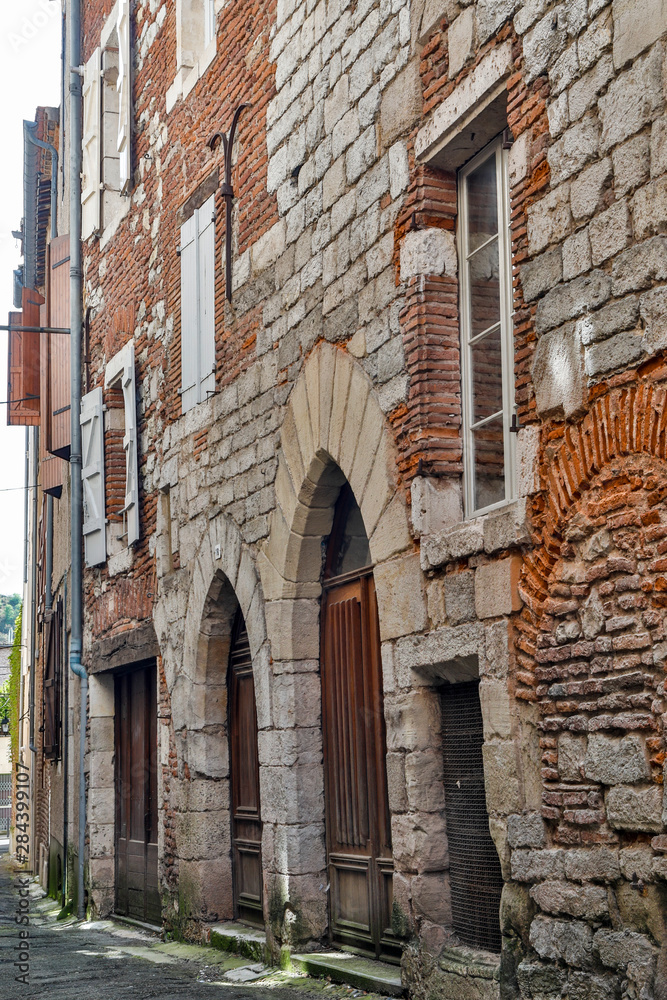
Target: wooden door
244, 765
137, 893
357, 809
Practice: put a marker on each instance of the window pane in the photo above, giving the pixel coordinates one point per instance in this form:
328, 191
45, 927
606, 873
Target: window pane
487, 376
482, 204
489, 463
484, 289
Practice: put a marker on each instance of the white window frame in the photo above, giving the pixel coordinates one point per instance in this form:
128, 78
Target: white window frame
121, 370
209, 22
494, 148
196, 45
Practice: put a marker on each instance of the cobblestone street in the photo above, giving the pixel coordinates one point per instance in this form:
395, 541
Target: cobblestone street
104, 960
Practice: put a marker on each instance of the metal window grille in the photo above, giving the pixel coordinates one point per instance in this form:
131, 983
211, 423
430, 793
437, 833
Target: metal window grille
474, 870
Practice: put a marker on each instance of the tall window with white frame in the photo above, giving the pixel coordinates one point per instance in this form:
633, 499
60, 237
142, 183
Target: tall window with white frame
487, 353
209, 22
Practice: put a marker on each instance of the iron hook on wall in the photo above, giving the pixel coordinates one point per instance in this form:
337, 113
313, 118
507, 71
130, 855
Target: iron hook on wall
227, 192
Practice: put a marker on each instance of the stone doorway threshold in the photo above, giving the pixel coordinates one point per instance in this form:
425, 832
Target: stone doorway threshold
131, 922
342, 967
240, 939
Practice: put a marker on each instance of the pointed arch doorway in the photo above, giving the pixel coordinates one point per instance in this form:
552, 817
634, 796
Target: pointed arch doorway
356, 799
244, 768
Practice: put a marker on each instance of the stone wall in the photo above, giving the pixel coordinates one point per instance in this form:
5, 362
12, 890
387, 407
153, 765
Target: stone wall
340, 352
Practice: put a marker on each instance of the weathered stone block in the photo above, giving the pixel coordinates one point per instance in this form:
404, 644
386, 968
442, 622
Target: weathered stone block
634, 808
649, 209
586, 901
576, 255
633, 98
435, 505
558, 373
550, 218
616, 353
428, 251
544, 981
506, 527
455, 543
636, 26
541, 274
430, 897
419, 842
525, 830
401, 598
411, 719
459, 590
626, 950
401, 104
597, 864
460, 39
640, 265
497, 587
424, 781
571, 755
543, 44
496, 708
631, 164
577, 147
568, 301
501, 777
587, 189
535, 865
653, 309
621, 314
609, 232
569, 941
583, 94
616, 761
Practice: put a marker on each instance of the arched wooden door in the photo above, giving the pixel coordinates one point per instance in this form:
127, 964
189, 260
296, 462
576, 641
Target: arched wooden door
244, 767
357, 809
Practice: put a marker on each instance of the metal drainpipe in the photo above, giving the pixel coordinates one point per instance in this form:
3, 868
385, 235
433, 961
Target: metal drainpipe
54, 178
65, 758
76, 310
33, 588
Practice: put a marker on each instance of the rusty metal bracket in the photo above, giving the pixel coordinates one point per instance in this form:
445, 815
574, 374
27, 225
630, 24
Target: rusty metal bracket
227, 191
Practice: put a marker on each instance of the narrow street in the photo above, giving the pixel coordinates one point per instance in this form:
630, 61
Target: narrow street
104, 960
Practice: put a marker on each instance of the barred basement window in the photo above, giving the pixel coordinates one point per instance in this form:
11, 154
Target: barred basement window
487, 352
474, 870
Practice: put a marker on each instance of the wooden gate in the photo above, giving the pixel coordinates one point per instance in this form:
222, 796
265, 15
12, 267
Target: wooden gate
357, 810
137, 893
244, 764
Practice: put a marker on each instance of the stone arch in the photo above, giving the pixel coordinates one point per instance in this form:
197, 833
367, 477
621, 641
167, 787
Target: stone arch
333, 430
223, 579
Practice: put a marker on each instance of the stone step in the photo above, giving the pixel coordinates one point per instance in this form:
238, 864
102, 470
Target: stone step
364, 973
242, 940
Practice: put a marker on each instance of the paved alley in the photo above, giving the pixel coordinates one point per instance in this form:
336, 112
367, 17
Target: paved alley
105, 960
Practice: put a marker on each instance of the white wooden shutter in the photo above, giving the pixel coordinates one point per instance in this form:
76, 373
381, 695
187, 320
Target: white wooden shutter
91, 178
92, 474
209, 22
206, 226
121, 368
124, 87
189, 315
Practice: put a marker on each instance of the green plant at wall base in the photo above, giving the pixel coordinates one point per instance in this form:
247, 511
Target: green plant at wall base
13, 686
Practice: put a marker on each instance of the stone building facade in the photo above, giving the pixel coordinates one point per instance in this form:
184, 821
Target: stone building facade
448, 264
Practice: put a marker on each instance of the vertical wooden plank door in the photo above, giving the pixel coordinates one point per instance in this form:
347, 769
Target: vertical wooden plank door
137, 894
357, 810
244, 763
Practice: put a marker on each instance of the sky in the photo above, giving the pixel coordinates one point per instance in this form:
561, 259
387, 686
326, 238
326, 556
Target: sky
30, 33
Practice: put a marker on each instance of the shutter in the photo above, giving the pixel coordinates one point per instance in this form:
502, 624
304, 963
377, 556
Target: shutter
60, 390
92, 474
122, 367
206, 227
209, 22
189, 315
124, 87
52, 680
23, 388
92, 127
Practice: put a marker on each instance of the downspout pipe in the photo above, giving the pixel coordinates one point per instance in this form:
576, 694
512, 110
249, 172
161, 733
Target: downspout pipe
48, 567
76, 324
33, 587
28, 130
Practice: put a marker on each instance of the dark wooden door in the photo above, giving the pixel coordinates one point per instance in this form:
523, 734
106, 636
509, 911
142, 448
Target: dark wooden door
244, 763
357, 809
137, 893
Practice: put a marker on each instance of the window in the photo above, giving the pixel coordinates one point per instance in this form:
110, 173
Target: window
119, 380
487, 355
107, 125
198, 306
476, 880
195, 45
